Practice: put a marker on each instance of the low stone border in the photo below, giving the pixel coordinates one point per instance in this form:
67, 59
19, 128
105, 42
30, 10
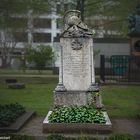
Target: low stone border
76, 127
8, 81
16, 85
19, 123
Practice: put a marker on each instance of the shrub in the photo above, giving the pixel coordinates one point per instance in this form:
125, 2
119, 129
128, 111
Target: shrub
40, 56
9, 113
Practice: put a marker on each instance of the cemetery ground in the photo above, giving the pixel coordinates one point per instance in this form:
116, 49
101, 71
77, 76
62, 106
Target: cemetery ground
122, 102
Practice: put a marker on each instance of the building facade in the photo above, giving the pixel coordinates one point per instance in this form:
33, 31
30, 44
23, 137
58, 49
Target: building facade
34, 29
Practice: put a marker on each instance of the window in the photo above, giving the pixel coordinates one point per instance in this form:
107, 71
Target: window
42, 23
16, 53
57, 38
18, 22
42, 37
58, 8
65, 7
58, 35
59, 23
21, 37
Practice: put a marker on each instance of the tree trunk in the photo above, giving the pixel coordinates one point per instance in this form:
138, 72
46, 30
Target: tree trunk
80, 6
4, 62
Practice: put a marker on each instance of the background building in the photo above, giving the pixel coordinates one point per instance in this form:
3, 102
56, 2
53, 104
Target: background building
44, 27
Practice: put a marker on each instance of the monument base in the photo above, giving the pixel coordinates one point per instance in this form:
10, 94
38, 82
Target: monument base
76, 127
70, 98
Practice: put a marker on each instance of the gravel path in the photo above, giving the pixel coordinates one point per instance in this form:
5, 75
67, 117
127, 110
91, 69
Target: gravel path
33, 127
130, 126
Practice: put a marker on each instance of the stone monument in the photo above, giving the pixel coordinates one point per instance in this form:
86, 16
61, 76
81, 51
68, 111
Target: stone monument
76, 85
76, 72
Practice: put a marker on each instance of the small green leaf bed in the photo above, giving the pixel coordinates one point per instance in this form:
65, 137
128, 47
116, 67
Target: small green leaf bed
9, 113
83, 114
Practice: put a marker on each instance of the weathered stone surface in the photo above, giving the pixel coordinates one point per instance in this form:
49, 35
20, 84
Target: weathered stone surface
16, 85
76, 64
76, 72
70, 98
74, 27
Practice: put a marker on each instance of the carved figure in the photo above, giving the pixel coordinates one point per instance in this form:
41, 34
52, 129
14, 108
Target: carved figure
74, 26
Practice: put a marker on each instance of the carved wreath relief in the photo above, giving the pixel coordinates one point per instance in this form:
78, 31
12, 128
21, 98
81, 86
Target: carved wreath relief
76, 44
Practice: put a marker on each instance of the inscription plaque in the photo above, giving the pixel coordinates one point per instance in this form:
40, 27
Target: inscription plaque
76, 66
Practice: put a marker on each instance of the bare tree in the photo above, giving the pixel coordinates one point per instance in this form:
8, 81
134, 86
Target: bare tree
7, 46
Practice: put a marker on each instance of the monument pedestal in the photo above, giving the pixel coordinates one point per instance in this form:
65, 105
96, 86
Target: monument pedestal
70, 98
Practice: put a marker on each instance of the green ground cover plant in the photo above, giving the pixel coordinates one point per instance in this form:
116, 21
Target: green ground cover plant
9, 113
75, 114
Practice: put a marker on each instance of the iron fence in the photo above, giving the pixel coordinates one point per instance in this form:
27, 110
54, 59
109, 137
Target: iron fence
120, 69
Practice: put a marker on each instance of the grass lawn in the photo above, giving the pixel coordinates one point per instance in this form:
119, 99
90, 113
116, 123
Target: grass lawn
38, 94
27, 72
120, 101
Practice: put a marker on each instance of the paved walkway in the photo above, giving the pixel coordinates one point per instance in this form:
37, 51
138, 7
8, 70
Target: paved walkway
130, 126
